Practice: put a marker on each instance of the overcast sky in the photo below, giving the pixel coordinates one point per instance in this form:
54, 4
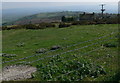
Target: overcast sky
70, 6
60, 0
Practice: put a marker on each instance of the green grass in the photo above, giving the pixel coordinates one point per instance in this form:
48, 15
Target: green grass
46, 38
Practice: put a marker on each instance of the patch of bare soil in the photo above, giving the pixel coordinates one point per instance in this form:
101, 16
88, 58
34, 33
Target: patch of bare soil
17, 72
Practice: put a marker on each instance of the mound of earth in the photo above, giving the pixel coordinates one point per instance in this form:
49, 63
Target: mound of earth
17, 72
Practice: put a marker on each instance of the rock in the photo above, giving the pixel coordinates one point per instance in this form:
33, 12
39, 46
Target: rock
8, 55
20, 44
55, 47
42, 50
64, 38
17, 72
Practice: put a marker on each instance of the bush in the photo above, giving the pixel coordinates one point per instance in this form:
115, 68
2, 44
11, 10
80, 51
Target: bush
30, 26
61, 25
39, 26
46, 25
4, 27
76, 23
11, 27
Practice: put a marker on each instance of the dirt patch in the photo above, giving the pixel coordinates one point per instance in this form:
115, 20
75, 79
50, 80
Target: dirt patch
17, 72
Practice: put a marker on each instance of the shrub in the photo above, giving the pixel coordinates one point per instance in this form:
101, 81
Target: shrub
29, 26
45, 25
76, 23
4, 27
11, 27
61, 25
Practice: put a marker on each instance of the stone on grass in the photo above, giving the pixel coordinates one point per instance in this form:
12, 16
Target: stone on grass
20, 44
8, 55
41, 50
55, 47
17, 72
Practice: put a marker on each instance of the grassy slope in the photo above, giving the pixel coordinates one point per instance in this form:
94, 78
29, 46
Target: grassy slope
49, 16
35, 39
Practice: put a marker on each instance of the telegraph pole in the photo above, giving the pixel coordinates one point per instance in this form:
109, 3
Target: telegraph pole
102, 9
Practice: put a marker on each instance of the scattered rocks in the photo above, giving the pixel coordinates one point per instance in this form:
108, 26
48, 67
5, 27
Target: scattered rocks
42, 50
17, 72
55, 47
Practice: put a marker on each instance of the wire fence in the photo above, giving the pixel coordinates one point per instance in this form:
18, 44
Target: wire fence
58, 49
68, 51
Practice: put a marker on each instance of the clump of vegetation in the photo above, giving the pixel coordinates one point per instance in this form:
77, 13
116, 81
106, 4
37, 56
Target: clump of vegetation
12, 27
76, 23
62, 25
47, 25
39, 26
29, 26
72, 70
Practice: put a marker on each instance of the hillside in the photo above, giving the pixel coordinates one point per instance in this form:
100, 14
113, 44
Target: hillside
44, 17
95, 44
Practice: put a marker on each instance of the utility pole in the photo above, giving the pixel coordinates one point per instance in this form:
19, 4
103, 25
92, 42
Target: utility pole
102, 10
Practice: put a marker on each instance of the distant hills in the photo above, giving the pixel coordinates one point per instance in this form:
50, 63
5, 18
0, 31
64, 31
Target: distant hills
43, 17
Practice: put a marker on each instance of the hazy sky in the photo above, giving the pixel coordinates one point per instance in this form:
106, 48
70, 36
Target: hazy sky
60, 0
111, 7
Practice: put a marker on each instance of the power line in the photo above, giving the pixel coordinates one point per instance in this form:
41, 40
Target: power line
102, 9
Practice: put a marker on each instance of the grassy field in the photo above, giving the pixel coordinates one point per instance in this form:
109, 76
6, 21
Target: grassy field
24, 43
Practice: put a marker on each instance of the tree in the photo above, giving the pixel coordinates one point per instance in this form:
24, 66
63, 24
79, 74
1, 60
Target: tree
63, 19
